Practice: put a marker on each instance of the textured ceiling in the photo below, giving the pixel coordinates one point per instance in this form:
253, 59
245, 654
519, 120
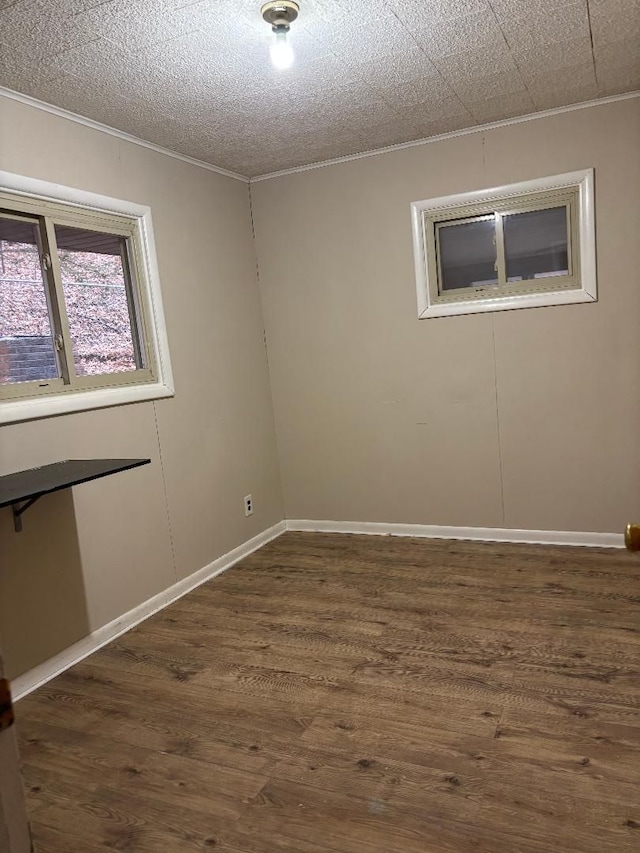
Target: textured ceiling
195, 77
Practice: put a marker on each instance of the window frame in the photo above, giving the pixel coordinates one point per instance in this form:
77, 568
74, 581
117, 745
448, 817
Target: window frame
51, 204
574, 189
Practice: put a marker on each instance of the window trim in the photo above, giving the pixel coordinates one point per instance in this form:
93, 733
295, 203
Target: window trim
153, 330
503, 287
423, 211
47, 221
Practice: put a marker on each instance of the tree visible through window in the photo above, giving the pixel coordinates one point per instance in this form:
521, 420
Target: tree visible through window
81, 319
97, 309
26, 340
95, 296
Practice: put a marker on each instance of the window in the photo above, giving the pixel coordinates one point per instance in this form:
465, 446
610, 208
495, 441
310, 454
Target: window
524, 245
81, 321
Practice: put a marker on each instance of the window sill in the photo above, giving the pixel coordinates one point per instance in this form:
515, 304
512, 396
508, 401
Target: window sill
507, 303
16, 411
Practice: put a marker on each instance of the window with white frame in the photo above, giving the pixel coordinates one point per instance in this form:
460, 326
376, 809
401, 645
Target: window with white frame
523, 245
81, 320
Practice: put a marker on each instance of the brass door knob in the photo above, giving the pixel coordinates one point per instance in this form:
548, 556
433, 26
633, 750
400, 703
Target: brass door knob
632, 537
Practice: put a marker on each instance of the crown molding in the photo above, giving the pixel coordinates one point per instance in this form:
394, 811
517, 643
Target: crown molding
135, 140
466, 131
119, 134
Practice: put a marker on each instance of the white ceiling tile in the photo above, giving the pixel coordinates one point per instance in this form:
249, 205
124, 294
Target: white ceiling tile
505, 10
67, 8
417, 13
532, 30
506, 106
554, 57
100, 62
429, 90
479, 31
391, 69
384, 134
324, 79
133, 23
15, 74
349, 35
106, 69
428, 113
156, 128
328, 11
444, 124
324, 109
614, 20
71, 93
553, 98
347, 147
614, 54
575, 78
217, 17
363, 114
307, 150
195, 75
618, 79
37, 31
474, 89
198, 59
476, 63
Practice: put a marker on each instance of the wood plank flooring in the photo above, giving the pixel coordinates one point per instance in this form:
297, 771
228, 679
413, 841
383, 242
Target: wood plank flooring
356, 694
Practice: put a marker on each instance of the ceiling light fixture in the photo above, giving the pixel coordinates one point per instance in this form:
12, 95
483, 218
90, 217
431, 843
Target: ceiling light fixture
280, 14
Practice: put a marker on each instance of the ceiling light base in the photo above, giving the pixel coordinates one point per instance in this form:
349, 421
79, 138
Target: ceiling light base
280, 14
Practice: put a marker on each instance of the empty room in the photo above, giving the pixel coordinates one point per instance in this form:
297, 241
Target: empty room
320, 426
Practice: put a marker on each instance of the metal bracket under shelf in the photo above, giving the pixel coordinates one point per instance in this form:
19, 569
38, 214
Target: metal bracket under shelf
18, 509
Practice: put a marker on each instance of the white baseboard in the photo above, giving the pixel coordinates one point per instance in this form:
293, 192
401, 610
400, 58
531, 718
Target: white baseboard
25, 684
480, 534
44, 672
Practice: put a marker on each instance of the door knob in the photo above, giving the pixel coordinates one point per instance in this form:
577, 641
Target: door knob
632, 537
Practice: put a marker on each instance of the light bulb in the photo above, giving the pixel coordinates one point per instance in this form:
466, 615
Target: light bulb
281, 51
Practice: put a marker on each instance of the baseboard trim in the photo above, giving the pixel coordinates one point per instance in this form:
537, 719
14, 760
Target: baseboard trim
480, 534
39, 675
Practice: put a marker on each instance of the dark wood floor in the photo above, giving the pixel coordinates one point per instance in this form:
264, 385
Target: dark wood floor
356, 695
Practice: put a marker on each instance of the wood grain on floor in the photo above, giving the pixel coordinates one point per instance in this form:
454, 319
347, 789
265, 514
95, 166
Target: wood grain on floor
356, 694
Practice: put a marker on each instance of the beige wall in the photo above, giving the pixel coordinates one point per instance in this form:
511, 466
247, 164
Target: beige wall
86, 558
519, 419
525, 419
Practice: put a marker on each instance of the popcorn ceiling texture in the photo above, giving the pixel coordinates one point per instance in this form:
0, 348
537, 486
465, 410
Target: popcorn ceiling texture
195, 77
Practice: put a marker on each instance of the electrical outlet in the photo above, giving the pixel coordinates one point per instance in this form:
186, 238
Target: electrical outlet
248, 505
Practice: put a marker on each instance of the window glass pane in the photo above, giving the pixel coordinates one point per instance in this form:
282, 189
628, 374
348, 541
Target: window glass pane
536, 244
26, 344
467, 254
94, 280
